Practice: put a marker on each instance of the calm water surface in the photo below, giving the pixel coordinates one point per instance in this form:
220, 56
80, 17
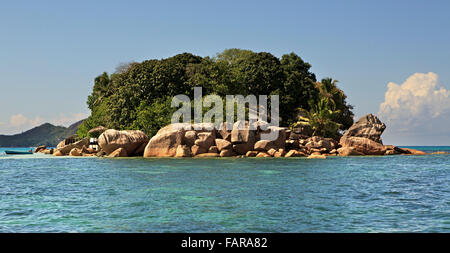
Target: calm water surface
341, 194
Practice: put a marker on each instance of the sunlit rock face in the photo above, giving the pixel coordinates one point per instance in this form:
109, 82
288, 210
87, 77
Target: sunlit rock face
369, 127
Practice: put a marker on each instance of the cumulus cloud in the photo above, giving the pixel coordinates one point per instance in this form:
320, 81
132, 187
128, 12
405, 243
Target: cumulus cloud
418, 107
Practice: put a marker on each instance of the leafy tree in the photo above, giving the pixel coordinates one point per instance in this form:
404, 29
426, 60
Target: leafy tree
101, 85
299, 89
99, 116
150, 118
123, 67
138, 95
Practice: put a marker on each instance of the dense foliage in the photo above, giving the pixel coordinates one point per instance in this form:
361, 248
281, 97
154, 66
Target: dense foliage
139, 95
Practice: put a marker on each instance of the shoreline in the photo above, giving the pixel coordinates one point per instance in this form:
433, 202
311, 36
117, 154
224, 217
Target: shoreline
238, 140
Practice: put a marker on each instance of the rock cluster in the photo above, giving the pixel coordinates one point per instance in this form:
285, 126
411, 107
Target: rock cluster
112, 143
241, 139
364, 138
132, 142
44, 150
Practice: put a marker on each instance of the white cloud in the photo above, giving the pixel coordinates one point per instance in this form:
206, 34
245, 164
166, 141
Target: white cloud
20, 121
418, 107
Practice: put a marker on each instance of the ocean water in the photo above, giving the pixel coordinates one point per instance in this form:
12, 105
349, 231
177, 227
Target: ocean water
41, 193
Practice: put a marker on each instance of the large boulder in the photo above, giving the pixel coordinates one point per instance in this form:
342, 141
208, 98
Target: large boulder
75, 152
120, 152
263, 145
223, 144
241, 132
243, 148
227, 153
198, 137
58, 153
205, 139
369, 127
97, 131
65, 149
183, 127
165, 143
276, 136
364, 145
196, 150
348, 151
365, 136
40, 148
183, 151
243, 137
61, 144
190, 137
133, 141
68, 141
225, 132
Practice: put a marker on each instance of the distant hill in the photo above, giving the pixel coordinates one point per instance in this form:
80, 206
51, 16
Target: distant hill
46, 134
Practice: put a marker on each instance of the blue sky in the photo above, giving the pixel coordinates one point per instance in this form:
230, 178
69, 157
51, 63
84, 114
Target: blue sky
50, 51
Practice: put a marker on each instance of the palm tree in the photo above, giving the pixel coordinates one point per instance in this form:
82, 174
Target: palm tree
320, 118
337, 99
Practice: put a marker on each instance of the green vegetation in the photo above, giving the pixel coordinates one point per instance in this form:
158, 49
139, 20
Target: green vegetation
138, 95
46, 134
320, 118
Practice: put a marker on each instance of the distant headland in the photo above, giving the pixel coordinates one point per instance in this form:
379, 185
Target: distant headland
45, 134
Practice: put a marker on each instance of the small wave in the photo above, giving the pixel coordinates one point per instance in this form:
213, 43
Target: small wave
392, 193
20, 213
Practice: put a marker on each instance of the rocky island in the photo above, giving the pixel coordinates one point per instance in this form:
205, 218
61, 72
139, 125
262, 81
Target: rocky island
317, 117
182, 140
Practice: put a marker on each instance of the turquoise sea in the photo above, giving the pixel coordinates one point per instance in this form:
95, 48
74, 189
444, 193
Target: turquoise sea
41, 193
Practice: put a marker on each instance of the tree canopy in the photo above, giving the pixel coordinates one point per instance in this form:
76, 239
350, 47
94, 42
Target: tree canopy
138, 95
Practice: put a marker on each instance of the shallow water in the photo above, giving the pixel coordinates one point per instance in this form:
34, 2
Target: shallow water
341, 194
